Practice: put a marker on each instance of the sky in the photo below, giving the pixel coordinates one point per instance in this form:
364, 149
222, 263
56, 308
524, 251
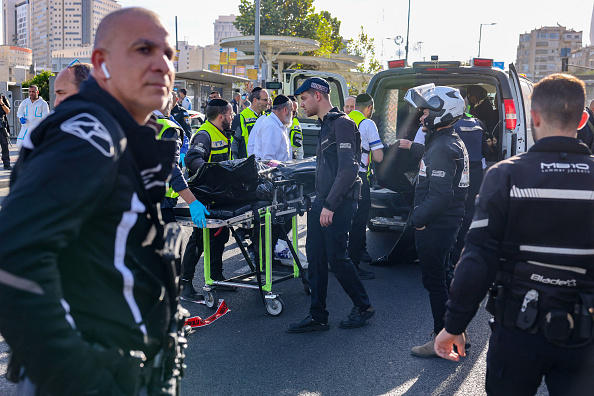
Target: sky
449, 29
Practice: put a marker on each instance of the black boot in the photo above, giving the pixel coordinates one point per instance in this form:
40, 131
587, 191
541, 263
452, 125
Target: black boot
188, 292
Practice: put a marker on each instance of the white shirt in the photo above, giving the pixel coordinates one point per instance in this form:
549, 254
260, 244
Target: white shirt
370, 140
272, 140
253, 145
34, 112
186, 103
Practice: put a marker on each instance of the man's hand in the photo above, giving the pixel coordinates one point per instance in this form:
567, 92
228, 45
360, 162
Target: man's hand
405, 144
23, 120
198, 212
444, 345
326, 217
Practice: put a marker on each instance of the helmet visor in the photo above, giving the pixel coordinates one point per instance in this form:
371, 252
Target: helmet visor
416, 97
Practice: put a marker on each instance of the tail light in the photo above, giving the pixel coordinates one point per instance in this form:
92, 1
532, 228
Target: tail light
511, 119
393, 64
482, 62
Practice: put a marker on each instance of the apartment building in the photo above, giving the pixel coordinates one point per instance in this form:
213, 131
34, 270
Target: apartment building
540, 51
52, 25
15, 63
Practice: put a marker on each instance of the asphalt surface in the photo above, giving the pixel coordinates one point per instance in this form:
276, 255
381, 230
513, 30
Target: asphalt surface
247, 352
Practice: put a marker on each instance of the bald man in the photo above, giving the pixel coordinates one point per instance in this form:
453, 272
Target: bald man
68, 81
82, 240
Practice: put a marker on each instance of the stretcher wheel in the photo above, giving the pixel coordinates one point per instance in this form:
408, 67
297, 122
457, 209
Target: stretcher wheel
274, 306
210, 299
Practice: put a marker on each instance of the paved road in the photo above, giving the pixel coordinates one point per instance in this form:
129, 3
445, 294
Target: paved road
247, 352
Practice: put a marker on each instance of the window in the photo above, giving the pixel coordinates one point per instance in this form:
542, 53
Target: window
554, 36
542, 43
542, 35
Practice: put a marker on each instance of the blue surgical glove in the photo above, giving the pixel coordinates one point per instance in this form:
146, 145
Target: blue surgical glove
198, 213
23, 120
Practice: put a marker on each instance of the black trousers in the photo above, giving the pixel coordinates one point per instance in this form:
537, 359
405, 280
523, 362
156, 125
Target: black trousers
195, 248
328, 245
357, 236
476, 179
517, 362
4, 146
433, 248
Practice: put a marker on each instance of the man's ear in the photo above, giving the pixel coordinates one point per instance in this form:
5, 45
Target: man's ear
536, 118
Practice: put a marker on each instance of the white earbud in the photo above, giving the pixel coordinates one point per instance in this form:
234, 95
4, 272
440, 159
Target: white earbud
105, 71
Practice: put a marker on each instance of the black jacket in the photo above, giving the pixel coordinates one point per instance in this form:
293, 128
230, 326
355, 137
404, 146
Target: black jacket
535, 207
79, 269
338, 157
443, 181
183, 118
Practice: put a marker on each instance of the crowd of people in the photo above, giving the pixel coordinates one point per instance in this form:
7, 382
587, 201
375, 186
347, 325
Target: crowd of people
89, 221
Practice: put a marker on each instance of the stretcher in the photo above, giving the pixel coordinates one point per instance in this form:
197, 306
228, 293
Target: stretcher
260, 217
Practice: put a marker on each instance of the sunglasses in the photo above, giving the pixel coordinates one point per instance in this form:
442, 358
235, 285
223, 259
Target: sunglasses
80, 63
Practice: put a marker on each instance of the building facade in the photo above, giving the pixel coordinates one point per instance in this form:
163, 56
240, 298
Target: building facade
62, 58
15, 63
51, 25
540, 51
223, 28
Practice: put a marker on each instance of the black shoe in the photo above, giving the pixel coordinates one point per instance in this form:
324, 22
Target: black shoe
7, 167
307, 324
357, 318
188, 292
365, 275
365, 257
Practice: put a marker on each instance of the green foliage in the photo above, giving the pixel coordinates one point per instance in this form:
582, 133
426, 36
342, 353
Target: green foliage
42, 82
295, 18
364, 47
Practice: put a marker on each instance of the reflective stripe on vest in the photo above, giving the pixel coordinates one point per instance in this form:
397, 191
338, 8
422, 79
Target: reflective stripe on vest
219, 144
296, 141
166, 124
247, 119
358, 117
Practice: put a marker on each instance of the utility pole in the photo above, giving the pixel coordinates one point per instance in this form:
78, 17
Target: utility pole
481, 35
257, 39
176, 46
407, 30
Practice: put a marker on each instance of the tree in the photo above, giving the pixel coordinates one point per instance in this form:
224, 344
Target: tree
42, 82
295, 18
364, 47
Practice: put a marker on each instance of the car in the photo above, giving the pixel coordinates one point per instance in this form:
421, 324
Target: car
509, 93
196, 119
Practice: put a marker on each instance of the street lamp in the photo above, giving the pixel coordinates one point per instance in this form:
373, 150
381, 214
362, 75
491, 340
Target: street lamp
481, 34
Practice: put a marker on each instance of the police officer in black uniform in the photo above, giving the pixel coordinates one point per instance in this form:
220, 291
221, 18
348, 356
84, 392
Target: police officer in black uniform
87, 303
4, 131
472, 131
439, 196
210, 143
338, 187
181, 116
532, 236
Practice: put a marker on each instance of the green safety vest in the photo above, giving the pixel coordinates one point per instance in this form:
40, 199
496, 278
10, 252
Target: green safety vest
166, 124
296, 134
358, 117
247, 119
219, 144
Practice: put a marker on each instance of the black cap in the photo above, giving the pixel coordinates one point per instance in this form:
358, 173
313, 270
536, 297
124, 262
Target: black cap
363, 98
279, 100
218, 102
257, 89
319, 84
292, 97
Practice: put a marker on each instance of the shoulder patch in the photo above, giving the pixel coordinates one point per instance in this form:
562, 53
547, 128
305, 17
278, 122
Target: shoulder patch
89, 128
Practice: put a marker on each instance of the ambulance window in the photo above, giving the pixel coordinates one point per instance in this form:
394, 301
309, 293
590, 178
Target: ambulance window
527, 96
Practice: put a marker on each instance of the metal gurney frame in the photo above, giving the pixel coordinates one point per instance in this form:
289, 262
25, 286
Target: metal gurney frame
275, 213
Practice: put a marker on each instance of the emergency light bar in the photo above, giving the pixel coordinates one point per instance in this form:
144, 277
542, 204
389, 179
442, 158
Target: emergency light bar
482, 62
393, 64
436, 64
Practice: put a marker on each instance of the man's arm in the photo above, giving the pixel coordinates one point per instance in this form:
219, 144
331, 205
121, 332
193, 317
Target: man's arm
198, 153
63, 181
477, 268
176, 180
21, 110
440, 171
375, 143
348, 163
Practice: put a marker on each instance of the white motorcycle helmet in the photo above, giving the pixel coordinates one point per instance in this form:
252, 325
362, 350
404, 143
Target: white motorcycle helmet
445, 104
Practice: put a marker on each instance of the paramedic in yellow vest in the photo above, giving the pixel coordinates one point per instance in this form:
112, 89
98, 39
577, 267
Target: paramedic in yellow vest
210, 143
247, 119
371, 147
295, 133
176, 185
